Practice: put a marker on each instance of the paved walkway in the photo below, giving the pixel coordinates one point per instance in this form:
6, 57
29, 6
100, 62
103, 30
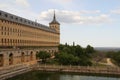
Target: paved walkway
109, 62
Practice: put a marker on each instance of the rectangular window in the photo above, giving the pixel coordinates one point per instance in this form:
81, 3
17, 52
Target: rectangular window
2, 40
1, 33
2, 28
5, 28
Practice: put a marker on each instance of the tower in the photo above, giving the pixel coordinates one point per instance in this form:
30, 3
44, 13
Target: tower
55, 24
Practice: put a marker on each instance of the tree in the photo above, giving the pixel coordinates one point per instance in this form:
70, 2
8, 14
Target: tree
78, 51
60, 47
89, 49
43, 55
74, 55
67, 59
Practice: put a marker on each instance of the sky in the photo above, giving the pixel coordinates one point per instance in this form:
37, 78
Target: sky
85, 22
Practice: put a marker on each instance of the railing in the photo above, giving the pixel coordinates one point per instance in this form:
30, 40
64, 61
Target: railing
79, 69
7, 72
13, 70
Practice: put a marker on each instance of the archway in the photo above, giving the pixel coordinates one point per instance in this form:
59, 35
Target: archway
31, 56
10, 59
1, 60
23, 57
37, 52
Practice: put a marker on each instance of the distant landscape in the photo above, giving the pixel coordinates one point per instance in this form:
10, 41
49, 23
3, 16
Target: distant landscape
107, 49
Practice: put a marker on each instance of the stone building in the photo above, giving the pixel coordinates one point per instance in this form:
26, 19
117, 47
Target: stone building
21, 39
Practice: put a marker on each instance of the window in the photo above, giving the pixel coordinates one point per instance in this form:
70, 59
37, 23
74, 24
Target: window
8, 40
13, 41
6, 15
0, 13
2, 28
11, 17
5, 28
5, 41
25, 21
2, 40
18, 41
16, 18
21, 20
1, 33
5, 33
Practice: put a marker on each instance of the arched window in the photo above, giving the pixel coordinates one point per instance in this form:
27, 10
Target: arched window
1, 60
31, 56
10, 59
23, 57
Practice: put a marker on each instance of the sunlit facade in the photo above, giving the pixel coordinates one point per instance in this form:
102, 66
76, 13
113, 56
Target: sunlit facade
23, 38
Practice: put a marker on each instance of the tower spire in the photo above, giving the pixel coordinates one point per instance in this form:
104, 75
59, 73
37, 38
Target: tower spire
54, 18
54, 21
54, 24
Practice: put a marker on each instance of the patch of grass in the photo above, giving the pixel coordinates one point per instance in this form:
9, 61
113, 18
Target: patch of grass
98, 64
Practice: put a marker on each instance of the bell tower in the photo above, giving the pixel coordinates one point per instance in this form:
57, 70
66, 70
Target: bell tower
55, 24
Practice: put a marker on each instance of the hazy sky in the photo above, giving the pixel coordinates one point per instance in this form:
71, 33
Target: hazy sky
94, 22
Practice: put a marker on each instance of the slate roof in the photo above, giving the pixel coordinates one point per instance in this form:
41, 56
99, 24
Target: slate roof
20, 20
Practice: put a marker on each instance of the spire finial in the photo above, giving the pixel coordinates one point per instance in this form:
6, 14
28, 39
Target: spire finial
54, 21
54, 16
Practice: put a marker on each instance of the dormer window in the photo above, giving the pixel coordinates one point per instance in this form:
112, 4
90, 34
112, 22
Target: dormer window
25, 21
6, 15
11, 17
21, 20
28, 22
16, 18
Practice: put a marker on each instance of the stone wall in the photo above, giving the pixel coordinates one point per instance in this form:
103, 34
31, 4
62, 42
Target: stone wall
20, 56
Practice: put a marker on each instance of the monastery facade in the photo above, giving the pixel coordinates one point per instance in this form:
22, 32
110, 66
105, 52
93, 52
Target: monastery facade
21, 39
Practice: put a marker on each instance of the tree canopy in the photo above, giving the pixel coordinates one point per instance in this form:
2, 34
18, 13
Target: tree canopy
43, 55
74, 55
